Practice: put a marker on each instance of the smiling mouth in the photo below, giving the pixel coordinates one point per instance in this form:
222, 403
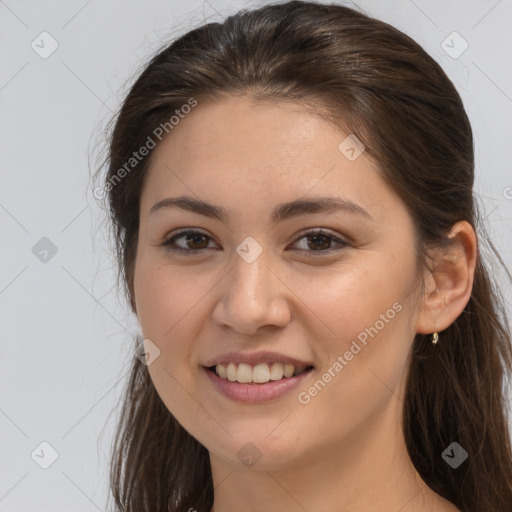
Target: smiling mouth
257, 374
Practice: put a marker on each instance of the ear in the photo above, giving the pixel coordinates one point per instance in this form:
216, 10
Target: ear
448, 287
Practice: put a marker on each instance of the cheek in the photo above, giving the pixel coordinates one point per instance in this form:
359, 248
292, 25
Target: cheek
365, 337
165, 299
167, 312
350, 302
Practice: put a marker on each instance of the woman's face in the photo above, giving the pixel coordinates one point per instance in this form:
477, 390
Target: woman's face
266, 291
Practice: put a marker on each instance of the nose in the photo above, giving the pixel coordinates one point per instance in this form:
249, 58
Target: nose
252, 297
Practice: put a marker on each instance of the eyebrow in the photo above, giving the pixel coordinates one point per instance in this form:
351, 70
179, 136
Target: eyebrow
281, 212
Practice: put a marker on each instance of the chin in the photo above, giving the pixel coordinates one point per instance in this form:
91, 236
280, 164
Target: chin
260, 449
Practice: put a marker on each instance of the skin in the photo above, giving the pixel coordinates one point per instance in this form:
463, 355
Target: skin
344, 450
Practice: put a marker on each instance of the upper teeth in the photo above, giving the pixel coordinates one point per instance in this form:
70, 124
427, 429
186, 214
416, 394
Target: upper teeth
260, 373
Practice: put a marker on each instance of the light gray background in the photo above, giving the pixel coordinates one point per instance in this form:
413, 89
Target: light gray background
65, 336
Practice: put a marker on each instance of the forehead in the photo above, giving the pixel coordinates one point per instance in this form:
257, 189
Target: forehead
240, 151
239, 124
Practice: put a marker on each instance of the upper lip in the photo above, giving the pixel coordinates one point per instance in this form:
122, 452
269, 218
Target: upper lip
254, 358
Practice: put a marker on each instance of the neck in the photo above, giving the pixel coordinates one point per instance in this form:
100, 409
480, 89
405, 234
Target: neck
368, 470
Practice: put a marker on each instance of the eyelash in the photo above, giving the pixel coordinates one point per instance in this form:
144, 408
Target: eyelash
168, 243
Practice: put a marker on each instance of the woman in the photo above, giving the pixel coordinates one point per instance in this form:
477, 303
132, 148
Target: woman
292, 204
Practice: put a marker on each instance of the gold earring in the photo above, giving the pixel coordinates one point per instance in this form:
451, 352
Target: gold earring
435, 338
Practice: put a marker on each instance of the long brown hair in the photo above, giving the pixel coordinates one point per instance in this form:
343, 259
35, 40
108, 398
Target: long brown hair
377, 83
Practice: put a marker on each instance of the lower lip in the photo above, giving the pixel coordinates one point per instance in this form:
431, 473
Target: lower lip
271, 390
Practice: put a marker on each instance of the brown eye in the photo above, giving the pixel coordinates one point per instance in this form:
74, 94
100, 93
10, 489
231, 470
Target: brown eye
197, 238
194, 241
321, 242
317, 241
